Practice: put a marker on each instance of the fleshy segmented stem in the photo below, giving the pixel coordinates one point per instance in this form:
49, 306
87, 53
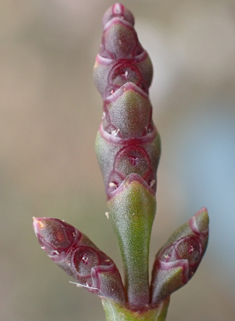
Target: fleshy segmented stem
80, 258
179, 258
127, 141
128, 151
127, 145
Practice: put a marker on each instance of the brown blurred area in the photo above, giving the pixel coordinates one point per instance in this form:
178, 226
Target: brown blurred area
49, 115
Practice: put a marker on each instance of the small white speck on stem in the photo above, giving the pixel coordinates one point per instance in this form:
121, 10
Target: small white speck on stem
115, 132
111, 184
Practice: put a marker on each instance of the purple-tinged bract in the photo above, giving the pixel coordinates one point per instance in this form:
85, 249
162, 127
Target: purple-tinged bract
179, 258
80, 258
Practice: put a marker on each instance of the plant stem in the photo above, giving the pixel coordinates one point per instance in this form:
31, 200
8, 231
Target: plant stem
132, 212
117, 312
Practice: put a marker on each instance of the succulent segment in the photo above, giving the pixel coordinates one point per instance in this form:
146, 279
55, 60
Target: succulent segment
132, 210
179, 258
74, 252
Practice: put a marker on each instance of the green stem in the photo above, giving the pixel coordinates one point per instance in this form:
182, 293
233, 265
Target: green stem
117, 312
132, 212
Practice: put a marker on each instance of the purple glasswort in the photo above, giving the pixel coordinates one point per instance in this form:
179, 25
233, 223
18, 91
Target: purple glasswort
79, 257
127, 145
127, 141
179, 258
128, 151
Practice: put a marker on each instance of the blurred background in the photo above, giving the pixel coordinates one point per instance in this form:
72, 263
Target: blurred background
50, 111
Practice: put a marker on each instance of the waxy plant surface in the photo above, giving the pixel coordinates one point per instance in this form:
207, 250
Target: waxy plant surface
128, 151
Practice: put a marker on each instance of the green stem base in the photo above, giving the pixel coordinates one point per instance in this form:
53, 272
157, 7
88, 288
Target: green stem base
117, 312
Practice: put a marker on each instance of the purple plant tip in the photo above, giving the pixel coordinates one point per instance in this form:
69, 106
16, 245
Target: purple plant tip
79, 257
118, 11
180, 257
127, 141
55, 237
121, 57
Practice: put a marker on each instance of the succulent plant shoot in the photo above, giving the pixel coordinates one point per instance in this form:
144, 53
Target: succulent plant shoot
128, 152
